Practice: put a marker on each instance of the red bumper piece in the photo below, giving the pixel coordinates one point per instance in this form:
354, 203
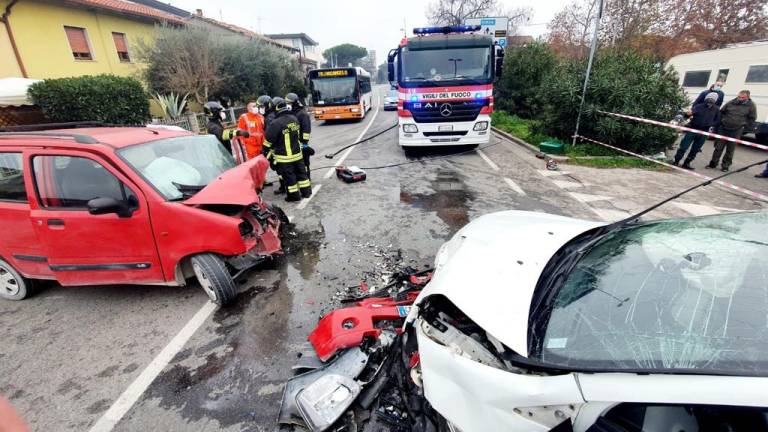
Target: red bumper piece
348, 327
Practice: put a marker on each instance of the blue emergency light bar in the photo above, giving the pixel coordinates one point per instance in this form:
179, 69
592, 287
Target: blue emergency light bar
446, 29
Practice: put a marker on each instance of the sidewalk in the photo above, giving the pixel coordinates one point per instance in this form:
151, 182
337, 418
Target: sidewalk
742, 156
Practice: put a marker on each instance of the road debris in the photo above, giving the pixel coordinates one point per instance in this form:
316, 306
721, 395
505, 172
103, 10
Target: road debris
359, 362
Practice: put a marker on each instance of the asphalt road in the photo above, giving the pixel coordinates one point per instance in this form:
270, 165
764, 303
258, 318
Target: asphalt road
68, 354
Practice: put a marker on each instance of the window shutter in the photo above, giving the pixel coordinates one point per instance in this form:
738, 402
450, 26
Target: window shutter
120, 44
77, 40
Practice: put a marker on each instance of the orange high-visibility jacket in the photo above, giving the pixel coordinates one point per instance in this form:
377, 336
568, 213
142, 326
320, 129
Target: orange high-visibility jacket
254, 124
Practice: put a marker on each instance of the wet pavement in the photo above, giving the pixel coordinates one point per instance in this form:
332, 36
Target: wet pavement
68, 354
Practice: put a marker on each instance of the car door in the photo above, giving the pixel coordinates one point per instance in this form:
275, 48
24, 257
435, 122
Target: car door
18, 240
84, 248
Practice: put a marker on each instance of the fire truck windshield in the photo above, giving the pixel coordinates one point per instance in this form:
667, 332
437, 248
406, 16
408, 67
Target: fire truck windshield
433, 67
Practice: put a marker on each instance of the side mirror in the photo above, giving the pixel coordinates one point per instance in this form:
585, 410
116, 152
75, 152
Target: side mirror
100, 206
391, 65
499, 66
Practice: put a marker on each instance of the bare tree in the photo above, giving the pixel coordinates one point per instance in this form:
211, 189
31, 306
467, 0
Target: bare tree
570, 29
183, 61
455, 12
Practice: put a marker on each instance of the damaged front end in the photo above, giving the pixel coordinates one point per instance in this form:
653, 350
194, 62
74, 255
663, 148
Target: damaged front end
470, 377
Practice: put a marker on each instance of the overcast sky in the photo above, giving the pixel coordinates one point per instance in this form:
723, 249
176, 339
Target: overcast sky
373, 24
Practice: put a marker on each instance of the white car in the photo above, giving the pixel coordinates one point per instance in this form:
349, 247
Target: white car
390, 101
536, 322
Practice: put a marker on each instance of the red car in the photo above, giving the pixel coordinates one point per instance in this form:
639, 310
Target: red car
130, 205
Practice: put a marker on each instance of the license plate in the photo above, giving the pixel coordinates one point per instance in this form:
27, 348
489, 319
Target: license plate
445, 128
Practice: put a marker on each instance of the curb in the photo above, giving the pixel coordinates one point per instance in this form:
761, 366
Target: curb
528, 146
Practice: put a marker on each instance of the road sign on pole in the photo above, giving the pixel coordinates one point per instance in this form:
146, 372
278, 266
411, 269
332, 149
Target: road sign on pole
496, 27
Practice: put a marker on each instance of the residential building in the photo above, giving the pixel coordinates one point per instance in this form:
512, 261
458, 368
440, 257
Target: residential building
45, 39
519, 40
742, 66
310, 56
231, 30
369, 63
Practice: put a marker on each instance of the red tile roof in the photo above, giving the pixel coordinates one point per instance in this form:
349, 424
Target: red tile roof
245, 32
129, 8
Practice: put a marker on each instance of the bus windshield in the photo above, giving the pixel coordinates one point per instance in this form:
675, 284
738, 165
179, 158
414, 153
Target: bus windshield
334, 91
435, 66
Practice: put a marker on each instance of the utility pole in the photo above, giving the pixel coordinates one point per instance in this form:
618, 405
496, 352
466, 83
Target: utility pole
589, 67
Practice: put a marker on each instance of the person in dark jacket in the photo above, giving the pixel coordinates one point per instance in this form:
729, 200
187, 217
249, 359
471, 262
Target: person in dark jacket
714, 88
735, 116
704, 116
283, 146
215, 113
305, 122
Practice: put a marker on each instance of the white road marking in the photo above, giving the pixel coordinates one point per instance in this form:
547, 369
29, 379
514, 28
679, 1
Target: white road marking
703, 210
349, 150
567, 184
306, 201
609, 215
134, 391
488, 160
587, 198
550, 173
514, 186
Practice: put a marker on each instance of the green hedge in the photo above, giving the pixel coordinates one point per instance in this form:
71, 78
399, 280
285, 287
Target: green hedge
103, 98
547, 88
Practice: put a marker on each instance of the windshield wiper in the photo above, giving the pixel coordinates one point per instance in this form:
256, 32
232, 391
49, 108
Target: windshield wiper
187, 191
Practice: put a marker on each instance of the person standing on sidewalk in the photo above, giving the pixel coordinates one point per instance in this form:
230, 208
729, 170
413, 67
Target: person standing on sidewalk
735, 116
714, 88
705, 115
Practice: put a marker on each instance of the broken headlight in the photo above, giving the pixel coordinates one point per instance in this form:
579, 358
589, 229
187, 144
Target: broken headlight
245, 228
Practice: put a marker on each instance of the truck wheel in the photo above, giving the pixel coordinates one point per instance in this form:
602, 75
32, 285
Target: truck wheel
214, 278
12, 284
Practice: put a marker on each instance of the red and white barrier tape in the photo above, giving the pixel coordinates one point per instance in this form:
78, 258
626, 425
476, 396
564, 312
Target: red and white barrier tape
686, 129
693, 173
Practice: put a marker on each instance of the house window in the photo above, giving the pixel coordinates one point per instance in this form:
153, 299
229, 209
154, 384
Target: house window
722, 75
78, 42
121, 45
757, 74
696, 78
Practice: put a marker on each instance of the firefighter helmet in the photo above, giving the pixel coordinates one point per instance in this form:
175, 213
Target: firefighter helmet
279, 104
212, 109
293, 99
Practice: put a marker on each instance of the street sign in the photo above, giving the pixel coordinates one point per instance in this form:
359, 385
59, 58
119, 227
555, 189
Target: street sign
495, 27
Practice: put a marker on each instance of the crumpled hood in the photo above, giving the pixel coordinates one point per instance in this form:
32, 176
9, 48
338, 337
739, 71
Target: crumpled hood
236, 186
490, 268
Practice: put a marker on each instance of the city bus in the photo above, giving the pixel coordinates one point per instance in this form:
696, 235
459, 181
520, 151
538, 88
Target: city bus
341, 93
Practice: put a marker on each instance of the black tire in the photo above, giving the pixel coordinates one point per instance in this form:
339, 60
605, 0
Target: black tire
13, 286
214, 278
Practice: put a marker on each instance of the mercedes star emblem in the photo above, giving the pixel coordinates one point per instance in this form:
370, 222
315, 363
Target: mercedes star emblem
446, 110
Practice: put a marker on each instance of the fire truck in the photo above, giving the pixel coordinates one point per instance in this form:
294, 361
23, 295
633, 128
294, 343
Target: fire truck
444, 78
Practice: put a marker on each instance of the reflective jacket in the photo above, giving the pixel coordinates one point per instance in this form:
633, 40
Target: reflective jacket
305, 123
282, 142
254, 124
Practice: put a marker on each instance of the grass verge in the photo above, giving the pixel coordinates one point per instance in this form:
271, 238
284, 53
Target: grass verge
529, 131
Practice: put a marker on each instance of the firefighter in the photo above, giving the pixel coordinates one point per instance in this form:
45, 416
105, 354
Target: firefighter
215, 113
282, 145
305, 123
264, 105
253, 122
267, 110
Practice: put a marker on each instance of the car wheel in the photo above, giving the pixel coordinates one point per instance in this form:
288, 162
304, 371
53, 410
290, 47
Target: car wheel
12, 284
214, 278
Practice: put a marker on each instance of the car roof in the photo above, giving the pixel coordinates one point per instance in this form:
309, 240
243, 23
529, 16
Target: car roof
117, 137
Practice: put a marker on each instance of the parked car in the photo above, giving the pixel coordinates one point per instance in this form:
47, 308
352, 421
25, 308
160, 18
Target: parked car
536, 322
390, 101
130, 205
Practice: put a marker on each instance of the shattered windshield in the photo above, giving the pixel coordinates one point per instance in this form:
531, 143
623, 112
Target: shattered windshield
677, 294
174, 165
